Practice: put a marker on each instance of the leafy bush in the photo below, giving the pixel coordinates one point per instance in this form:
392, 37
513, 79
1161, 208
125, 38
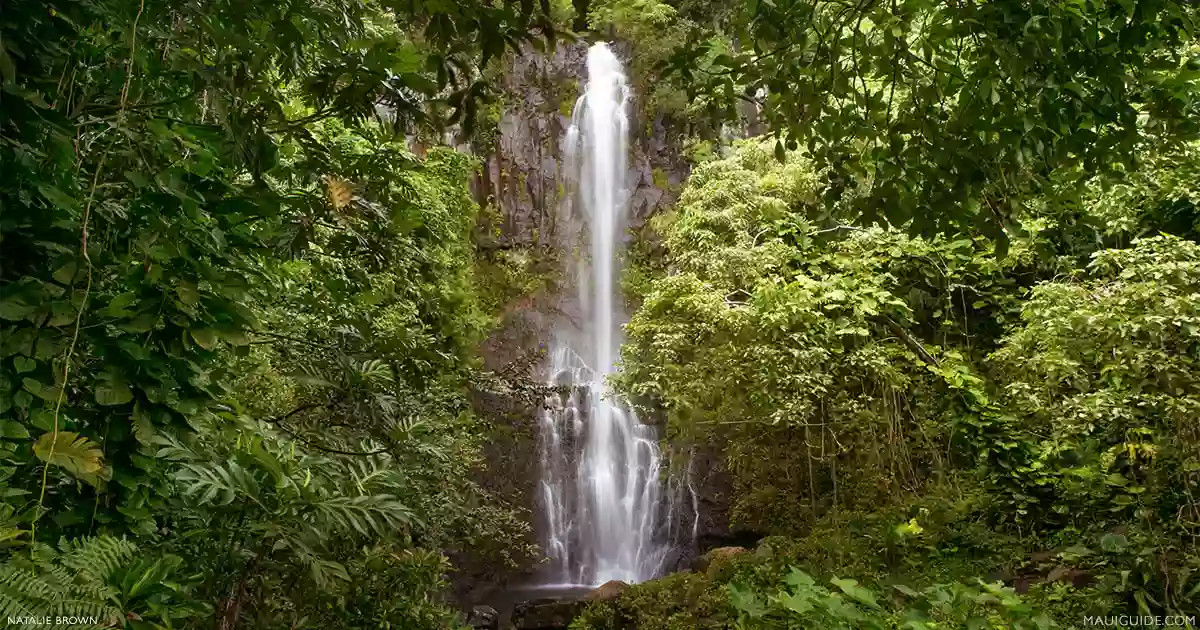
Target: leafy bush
1104, 370
858, 377
804, 603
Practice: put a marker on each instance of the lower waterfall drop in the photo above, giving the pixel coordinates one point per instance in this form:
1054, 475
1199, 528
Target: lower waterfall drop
600, 487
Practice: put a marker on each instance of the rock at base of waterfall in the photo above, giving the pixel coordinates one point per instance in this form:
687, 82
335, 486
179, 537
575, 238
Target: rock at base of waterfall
546, 614
484, 618
607, 591
716, 558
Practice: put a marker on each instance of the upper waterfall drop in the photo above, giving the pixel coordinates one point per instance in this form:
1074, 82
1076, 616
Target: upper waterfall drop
600, 489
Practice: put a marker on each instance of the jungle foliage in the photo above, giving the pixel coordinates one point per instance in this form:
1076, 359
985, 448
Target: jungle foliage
944, 323
762, 590
967, 404
958, 112
238, 317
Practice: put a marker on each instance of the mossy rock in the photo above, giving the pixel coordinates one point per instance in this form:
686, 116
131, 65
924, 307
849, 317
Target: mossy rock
682, 601
715, 561
608, 591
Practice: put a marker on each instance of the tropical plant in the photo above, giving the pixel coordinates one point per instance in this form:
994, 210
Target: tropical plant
804, 603
186, 184
100, 581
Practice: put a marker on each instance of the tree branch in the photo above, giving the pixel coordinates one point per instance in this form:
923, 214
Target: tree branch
911, 341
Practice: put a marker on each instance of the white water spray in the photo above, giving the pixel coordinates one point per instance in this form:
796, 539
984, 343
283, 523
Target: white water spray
600, 465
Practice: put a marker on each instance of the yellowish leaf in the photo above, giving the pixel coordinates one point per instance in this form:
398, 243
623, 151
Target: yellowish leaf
339, 191
78, 455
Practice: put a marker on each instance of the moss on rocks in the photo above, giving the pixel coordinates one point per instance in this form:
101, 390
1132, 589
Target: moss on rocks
688, 600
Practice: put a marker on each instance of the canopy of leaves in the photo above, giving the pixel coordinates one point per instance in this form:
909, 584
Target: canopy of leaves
955, 113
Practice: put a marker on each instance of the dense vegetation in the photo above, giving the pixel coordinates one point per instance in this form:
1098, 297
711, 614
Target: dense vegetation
942, 324
917, 409
238, 316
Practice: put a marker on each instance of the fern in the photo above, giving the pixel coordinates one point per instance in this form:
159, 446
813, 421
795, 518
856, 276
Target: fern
97, 578
206, 480
72, 581
98, 558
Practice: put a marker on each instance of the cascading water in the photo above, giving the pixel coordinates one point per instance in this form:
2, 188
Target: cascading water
600, 464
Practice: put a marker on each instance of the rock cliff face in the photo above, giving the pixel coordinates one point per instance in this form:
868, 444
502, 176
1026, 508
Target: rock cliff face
524, 182
524, 174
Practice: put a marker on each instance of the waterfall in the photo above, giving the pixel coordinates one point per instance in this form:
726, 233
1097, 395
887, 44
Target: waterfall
600, 488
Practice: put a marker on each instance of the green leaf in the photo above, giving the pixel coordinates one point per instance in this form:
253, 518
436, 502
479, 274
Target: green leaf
118, 306
8, 69
57, 197
143, 426
41, 390
235, 336
746, 601
61, 314
111, 393
14, 309
142, 323
798, 603
799, 579
13, 430
419, 83
31, 96
1116, 479
138, 179
1002, 244
152, 578
42, 418
855, 592
66, 273
1114, 543
187, 293
205, 337
8, 534
24, 364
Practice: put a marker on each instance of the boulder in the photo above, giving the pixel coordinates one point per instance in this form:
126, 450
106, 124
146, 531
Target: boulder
716, 557
607, 591
546, 614
484, 618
